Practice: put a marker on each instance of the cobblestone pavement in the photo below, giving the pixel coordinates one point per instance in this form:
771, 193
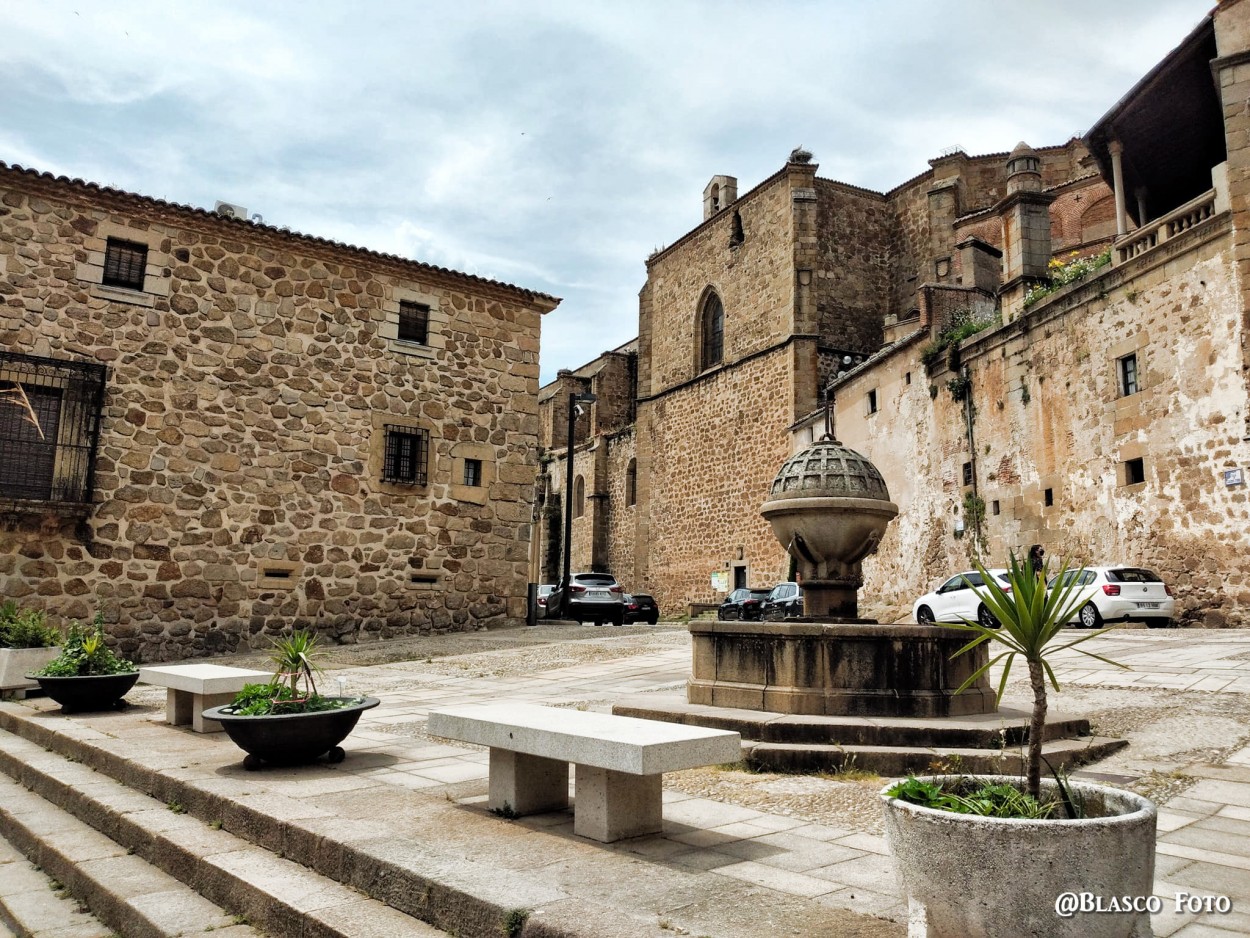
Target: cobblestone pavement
1184, 706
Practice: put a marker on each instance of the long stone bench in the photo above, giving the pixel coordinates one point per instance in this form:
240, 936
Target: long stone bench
193, 688
620, 761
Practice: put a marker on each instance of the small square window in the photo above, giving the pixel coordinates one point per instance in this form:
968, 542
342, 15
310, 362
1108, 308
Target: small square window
1134, 471
1049, 497
872, 401
473, 472
995, 509
406, 455
967, 473
907, 378
414, 323
1128, 375
124, 264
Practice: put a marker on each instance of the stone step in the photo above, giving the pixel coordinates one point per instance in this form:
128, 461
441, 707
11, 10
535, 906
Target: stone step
429, 858
124, 891
33, 904
893, 761
135, 863
1005, 728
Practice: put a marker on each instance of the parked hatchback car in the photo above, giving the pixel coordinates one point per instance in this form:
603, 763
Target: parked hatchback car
784, 600
743, 603
595, 597
955, 600
639, 607
1119, 594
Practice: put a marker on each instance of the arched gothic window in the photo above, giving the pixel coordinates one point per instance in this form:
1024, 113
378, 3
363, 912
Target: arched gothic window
631, 482
712, 331
579, 497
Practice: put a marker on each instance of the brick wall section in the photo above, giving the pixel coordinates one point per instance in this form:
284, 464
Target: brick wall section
852, 279
714, 448
242, 427
1175, 310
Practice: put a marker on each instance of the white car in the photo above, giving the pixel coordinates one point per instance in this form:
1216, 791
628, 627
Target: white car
1119, 594
955, 600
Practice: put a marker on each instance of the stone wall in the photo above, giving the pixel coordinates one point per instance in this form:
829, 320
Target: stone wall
852, 281
238, 489
1049, 415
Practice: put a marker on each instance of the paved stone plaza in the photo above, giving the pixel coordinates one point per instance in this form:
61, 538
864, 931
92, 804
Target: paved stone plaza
740, 854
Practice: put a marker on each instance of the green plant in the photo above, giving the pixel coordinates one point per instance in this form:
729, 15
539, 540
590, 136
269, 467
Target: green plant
514, 921
963, 324
175, 807
1062, 273
84, 653
966, 795
507, 812
959, 386
1031, 618
292, 689
293, 659
215, 825
25, 628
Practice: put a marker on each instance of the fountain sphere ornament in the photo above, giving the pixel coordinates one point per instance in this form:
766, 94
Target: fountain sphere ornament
829, 508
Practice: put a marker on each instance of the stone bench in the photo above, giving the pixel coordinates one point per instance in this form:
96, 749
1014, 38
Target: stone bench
193, 688
620, 761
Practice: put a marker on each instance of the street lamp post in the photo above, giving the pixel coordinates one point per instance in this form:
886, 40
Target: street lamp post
575, 400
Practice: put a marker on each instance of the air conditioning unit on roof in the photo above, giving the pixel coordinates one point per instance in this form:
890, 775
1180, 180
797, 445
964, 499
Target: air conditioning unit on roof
231, 211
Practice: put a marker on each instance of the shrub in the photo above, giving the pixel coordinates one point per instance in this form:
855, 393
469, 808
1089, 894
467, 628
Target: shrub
85, 653
25, 628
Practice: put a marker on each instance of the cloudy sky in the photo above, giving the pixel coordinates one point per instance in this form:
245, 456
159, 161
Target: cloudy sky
549, 144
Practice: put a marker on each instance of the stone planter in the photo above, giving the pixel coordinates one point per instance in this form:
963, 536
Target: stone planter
290, 738
16, 663
87, 692
975, 877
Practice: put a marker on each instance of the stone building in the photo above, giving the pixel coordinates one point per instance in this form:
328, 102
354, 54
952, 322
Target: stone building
213, 430
1106, 420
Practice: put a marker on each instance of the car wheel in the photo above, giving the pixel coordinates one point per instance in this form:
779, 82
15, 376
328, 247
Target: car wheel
924, 616
653, 620
1089, 616
720, 615
986, 618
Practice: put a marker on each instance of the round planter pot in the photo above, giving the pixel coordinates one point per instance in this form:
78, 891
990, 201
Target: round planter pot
290, 738
965, 876
88, 692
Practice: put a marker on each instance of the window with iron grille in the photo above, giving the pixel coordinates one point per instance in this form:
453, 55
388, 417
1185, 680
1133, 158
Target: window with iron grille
124, 264
473, 472
49, 428
406, 455
1128, 375
414, 322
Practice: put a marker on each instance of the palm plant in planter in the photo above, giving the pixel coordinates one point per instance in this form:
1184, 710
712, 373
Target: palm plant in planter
991, 855
86, 675
27, 643
287, 722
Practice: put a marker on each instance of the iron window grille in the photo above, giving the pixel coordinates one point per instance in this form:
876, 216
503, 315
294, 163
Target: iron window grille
406, 456
473, 472
124, 264
414, 323
49, 429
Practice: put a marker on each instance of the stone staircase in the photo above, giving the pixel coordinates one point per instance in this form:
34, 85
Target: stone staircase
990, 743
147, 869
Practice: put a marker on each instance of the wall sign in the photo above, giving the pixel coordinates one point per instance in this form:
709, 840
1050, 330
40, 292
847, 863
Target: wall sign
1234, 477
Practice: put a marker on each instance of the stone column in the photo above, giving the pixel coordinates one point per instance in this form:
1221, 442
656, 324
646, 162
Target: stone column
1117, 175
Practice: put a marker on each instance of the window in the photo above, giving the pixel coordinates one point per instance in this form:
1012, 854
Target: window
1049, 497
995, 508
579, 497
736, 235
967, 473
49, 428
631, 482
473, 472
907, 378
406, 455
872, 401
124, 264
1128, 375
713, 332
1134, 471
414, 323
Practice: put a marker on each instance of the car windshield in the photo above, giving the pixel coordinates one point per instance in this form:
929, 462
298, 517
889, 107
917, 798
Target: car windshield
596, 579
759, 594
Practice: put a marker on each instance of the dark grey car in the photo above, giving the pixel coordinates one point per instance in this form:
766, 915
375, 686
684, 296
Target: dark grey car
594, 597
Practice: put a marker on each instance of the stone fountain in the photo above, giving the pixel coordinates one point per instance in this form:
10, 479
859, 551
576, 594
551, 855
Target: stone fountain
830, 689
829, 507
